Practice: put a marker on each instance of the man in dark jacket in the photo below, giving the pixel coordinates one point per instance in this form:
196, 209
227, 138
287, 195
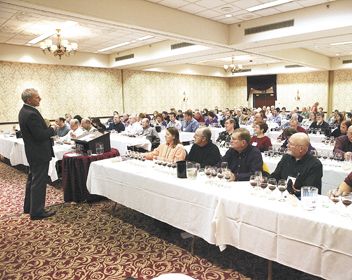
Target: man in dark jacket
204, 151
39, 151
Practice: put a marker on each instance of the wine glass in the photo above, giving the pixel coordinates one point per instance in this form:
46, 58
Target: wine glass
263, 183
346, 200
282, 186
272, 186
207, 171
253, 181
334, 197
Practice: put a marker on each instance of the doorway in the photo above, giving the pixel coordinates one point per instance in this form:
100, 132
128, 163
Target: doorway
260, 100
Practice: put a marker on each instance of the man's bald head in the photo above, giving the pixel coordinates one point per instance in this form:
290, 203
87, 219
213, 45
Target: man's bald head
301, 139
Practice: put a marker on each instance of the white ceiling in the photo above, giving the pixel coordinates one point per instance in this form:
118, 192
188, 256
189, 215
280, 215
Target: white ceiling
21, 22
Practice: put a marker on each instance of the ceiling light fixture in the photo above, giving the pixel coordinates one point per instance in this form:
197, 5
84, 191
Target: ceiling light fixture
341, 43
233, 68
114, 47
145, 38
60, 48
268, 5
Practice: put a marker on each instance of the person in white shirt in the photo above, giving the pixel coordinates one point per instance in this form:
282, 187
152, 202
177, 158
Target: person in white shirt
75, 131
134, 127
174, 122
87, 125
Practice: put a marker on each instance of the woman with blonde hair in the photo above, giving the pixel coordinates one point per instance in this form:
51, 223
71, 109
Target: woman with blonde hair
171, 150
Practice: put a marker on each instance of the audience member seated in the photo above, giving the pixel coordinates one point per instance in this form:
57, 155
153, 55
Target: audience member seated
225, 136
342, 129
68, 117
204, 151
320, 125
75, 131
307, 122
134, 127
305, 113
179, 115
174, 122
78, 117
189, 123
159, 121
295, 125
171, 150
98, 125
116, 124
343, 144
198, 116
212, 119
346, 185
275, 116
261, 141
165, 116
150, 133
111, 120
61, 127
87, 126
298, 164
287, 133
243, 159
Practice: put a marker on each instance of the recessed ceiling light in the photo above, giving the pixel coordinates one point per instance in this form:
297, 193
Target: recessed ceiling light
226, 9
114, 47
145, 38
341, 43
268, 5
228, 15
337, 54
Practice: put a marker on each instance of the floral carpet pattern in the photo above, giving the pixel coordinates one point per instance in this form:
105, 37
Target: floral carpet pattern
85, 241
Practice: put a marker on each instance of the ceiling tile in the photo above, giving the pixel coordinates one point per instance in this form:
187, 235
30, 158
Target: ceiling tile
192, 8
209, 4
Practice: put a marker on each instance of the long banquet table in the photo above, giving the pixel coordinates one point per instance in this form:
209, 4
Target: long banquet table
13, 149
231, 215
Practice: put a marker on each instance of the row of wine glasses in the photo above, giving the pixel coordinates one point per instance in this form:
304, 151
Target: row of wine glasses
135, 155
257, 181
275, 151
344, 198
221, 172
324, 154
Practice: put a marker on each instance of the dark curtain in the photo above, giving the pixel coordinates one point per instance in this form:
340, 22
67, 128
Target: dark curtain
261, 83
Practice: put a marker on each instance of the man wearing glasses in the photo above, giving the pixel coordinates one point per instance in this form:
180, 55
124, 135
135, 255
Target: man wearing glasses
204, 151
243, 159
298, 164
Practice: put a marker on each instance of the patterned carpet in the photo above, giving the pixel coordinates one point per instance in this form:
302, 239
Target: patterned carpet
85, 241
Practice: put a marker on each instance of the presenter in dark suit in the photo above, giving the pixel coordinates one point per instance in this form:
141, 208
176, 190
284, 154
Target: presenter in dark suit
39, 151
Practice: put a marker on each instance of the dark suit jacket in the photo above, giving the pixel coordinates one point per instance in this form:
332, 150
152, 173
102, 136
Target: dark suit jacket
36, 135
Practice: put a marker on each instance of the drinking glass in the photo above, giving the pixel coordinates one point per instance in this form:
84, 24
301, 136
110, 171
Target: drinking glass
346, 200
263, 183
207, 171
335, 198
272, 186
253, 181
281, 185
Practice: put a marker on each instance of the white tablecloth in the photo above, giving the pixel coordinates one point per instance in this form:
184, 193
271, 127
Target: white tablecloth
189, 207
121, 142
314, 138
13, 149
317, 242
320, 147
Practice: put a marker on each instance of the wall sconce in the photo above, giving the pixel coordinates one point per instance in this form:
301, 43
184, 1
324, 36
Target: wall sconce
297, 97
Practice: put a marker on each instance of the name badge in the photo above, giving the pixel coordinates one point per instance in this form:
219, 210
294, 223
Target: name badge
254, 144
